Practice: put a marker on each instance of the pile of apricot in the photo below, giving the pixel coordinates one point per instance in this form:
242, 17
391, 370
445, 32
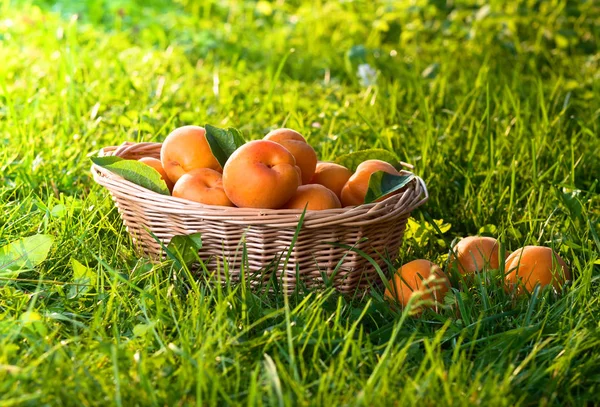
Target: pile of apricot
281, 171
524, 269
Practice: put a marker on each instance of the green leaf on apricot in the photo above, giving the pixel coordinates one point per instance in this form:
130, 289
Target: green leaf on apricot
223, 142
353, 160
382, 183
134, 171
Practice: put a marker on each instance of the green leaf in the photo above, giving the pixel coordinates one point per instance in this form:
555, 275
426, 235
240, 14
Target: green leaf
223, 142
440, 226
186, 247
134, 171
83, 278
382, 183
353, 160
59, 211
34, 322
23, 254
238, 137
140, 330
488, 230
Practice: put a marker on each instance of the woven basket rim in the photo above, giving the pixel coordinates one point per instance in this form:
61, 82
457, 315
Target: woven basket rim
385, 207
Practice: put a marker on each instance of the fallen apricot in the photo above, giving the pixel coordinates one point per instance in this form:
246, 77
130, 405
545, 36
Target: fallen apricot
186, 149
532, 265
355, 190
418, 276
332, 176
295, 143
202, 185
472, 253
314, 197
261, 174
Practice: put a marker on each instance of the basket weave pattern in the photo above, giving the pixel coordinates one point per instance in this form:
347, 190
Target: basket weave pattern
322, 247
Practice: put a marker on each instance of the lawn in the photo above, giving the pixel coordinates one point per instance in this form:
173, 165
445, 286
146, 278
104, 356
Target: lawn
497, 105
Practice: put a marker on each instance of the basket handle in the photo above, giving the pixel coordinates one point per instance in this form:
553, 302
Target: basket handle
419, 180
424, 186
107, 151
127, 146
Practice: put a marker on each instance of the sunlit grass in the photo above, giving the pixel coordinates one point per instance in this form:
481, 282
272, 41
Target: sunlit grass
497, 108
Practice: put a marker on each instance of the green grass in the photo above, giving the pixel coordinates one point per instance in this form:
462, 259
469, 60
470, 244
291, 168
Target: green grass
498, 108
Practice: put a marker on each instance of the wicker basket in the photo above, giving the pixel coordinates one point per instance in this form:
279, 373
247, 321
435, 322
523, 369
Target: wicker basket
322, 247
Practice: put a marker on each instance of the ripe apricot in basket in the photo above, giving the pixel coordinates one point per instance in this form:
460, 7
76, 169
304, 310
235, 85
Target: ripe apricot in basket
295, 143
418, 277
261, 174
472, 253
332, 176
157, 165
532, 265
202, 185
186, 149
314, 197
355, 190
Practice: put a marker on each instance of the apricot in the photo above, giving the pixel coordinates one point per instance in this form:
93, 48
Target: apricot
418, 276
314, 197
261, 174
202, 185
332, 176
295, 143
355, 190
472, 253
532, 265
157, 165
186, 149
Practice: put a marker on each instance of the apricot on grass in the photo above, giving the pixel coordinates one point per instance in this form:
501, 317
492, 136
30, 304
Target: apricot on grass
202, 185
472, 253
157, 165
532, 265
261, 174
332, 176
314, 197
295, 143
186, 149
418, 276
355, 190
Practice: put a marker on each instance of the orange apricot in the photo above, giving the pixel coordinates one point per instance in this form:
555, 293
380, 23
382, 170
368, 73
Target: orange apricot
202, 185
314, 197
261, 174
472, 253
355, 190
186, 149
418, 276
157, 165
532, 265
332, 176
295, 143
